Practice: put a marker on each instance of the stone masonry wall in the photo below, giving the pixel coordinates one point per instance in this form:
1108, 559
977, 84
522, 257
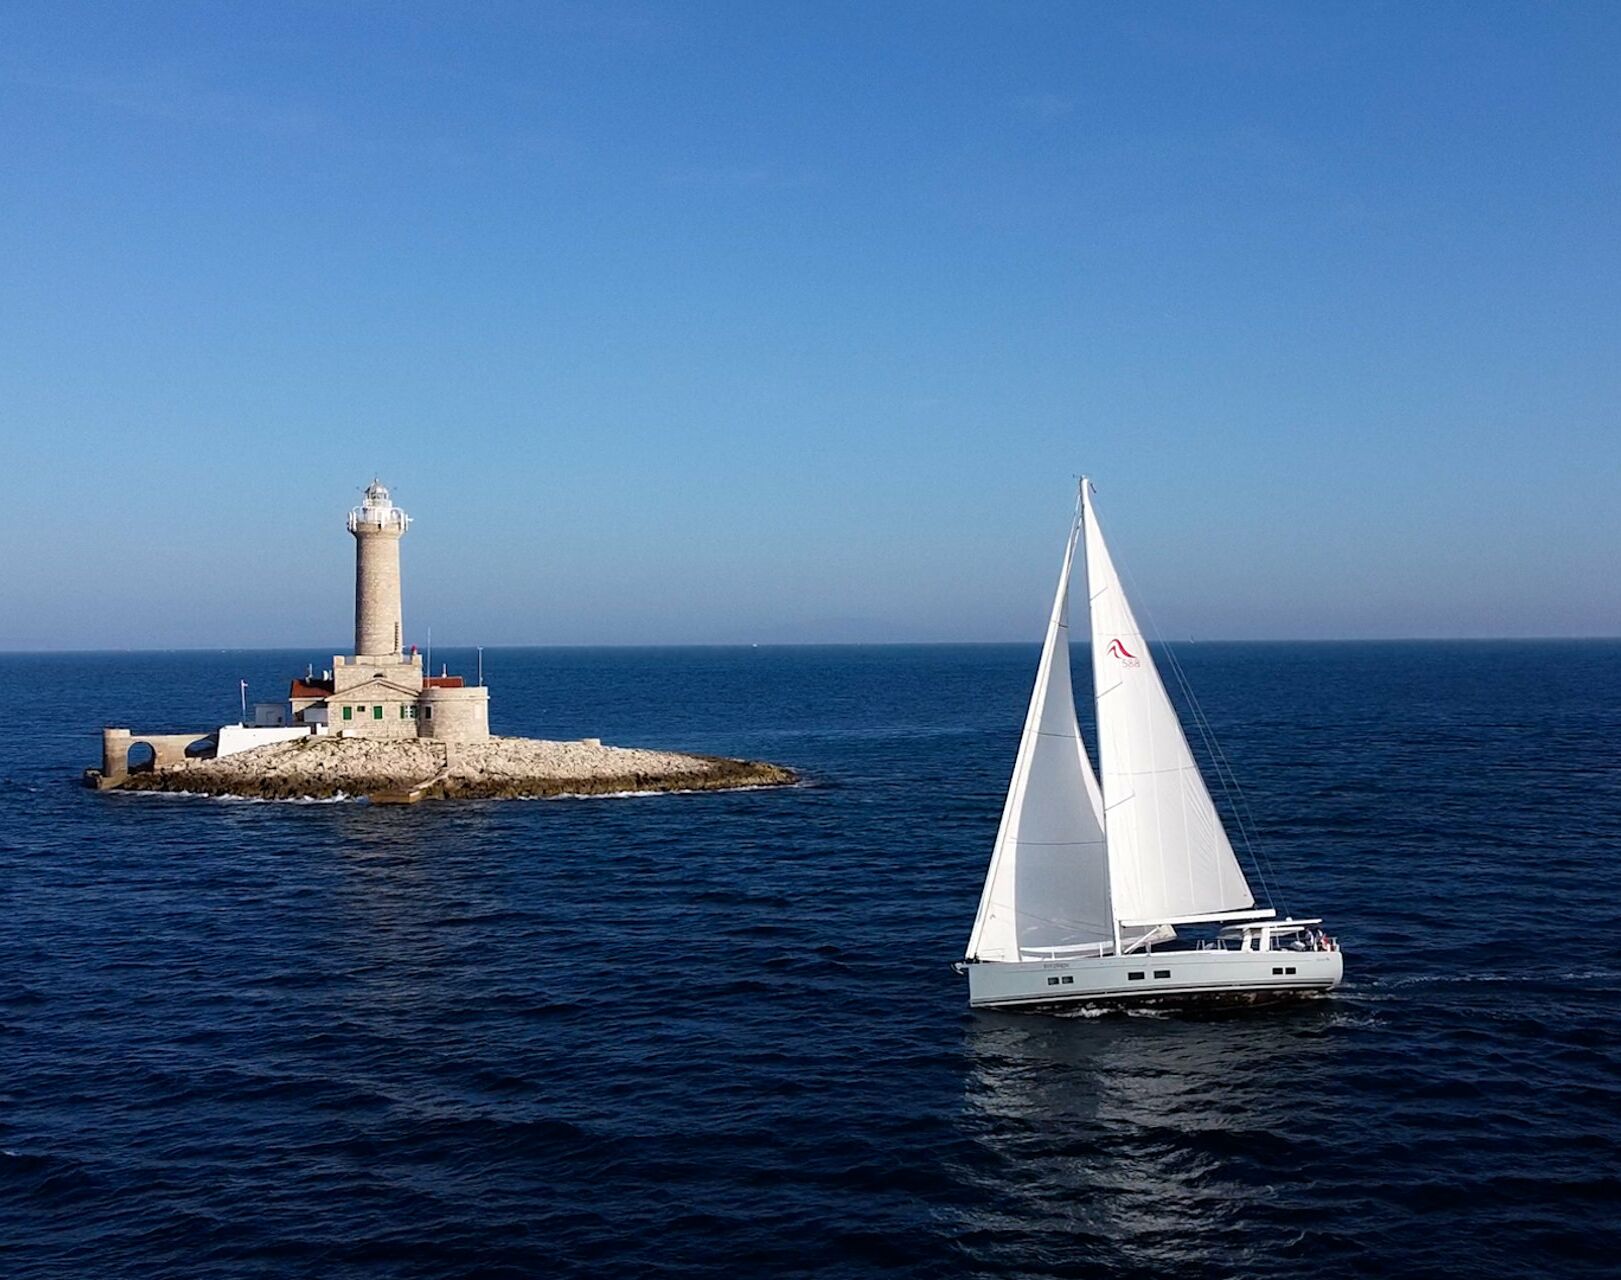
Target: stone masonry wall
459, 715
378, 616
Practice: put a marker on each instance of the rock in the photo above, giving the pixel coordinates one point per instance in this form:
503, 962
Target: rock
327, 766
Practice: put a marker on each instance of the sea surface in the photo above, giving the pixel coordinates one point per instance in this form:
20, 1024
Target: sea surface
719, 1035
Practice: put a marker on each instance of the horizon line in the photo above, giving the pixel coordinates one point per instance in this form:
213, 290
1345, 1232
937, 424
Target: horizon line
837, 644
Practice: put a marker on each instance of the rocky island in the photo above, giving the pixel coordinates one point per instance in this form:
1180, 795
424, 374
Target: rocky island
378, 723
406, 771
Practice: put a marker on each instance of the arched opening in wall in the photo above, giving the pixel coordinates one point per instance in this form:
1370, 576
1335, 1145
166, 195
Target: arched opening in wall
141, 757
202, 749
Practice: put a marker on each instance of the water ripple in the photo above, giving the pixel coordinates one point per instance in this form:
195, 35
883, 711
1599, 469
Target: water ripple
718, 1035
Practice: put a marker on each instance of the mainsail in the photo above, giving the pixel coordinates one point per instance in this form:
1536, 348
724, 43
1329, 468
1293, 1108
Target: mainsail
1169, 852
1048, 883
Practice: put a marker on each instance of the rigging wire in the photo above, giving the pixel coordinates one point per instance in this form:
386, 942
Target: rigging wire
1226, 777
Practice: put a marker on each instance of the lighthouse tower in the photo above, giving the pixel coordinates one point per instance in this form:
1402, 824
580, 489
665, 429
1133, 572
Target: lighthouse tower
378, 526
379, 691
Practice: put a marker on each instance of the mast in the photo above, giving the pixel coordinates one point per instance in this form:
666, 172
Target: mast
1097, 719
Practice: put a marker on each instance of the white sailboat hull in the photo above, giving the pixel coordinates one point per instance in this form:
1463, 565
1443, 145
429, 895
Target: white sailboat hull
1156, 978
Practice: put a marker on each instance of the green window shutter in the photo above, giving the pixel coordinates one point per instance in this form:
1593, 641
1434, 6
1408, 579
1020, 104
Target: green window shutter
348, 713
377, 713
402, 711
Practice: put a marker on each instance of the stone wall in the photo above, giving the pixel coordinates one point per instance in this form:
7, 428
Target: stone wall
378, 616
456, 715
405, 671
168, 749
396, 720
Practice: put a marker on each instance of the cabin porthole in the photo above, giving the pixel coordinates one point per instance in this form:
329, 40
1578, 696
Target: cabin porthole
1135, 975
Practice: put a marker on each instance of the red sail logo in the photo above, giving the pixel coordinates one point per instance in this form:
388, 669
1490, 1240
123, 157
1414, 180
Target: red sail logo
1124, 654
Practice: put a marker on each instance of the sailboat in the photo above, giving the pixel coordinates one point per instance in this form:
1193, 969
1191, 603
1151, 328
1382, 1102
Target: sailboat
1090, 881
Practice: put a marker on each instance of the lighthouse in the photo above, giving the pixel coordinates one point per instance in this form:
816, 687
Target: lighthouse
378, 526
379, 690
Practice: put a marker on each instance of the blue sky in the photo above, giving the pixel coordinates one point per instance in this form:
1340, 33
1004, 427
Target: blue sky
697, 323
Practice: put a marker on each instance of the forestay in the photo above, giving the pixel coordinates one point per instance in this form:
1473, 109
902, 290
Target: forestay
1169, 852
1048, 883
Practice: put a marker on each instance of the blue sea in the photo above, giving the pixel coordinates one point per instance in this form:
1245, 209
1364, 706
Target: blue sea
719, 1035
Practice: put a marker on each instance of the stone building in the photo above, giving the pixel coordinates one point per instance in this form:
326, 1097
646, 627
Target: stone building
381, 690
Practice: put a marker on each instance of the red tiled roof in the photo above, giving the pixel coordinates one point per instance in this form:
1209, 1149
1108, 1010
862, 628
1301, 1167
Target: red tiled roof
311, 689
442, 682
